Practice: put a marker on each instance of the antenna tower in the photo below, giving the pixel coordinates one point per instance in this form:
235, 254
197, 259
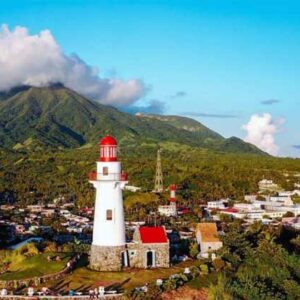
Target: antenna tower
158, 185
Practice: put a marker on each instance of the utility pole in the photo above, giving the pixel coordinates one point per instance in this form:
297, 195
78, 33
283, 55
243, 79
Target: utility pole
158, 185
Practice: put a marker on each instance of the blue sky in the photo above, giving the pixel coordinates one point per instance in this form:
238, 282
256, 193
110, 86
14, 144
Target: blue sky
221, 58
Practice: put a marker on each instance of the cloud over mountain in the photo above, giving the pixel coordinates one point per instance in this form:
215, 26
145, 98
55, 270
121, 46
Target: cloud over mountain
153, 106
261, 131
38, 60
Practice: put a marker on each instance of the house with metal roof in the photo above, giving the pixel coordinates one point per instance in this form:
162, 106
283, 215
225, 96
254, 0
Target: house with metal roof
208, 239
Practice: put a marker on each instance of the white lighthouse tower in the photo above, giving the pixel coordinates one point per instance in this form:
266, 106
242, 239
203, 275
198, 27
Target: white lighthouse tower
108, 247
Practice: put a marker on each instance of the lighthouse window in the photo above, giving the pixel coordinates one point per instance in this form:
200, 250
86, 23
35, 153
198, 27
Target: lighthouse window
108, 215
105, 170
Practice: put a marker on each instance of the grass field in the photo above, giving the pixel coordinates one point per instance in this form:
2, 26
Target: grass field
83, 279
35, 266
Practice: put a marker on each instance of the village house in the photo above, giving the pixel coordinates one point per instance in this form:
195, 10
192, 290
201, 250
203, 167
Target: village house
250, 198
293, 222
267, 185
7, 207
220, 204
47, 212
208, 239
149, 248
35, 208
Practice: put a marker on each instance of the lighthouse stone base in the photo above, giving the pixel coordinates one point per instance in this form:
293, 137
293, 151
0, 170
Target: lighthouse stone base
106, 258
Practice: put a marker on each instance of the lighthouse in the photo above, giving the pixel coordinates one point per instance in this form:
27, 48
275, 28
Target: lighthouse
108, 250
169, 210
173, 199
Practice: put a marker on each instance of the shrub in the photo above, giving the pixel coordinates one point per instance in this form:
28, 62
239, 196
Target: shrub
218, 264
169, 284
50, 247
28, 250
204, 269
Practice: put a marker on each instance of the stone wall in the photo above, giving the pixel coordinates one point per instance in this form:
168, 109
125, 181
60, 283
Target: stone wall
137, 253
106, 258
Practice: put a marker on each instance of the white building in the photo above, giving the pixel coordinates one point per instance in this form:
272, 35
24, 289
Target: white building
220, 204
208, 239
289, 193
250, 198
64, 212
267, 185
286, 200
246, 206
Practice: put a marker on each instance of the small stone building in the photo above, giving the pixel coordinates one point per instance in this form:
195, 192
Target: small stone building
149, 248
208, 239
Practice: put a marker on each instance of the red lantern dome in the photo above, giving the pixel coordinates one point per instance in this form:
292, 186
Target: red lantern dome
108, 148
108, 140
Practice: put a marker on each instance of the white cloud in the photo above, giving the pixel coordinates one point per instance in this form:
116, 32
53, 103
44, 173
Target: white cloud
38, 60
261, 131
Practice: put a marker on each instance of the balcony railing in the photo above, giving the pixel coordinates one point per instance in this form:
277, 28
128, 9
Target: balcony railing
94, 176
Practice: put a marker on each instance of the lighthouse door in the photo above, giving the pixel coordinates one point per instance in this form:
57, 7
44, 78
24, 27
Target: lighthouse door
150, 259
124, 259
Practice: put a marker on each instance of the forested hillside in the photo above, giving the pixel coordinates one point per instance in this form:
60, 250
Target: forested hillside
31, 176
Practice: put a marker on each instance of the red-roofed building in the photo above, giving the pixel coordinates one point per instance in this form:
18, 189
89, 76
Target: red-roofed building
150, 248
229, 210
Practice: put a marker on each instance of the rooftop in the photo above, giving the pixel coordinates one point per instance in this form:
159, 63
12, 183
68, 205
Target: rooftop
208, 232
153, 235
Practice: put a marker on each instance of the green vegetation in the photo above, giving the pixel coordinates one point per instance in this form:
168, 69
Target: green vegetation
33, 176
29, 261
35, 266
258, 266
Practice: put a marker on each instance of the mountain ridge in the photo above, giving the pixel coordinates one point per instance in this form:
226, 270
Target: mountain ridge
56, 116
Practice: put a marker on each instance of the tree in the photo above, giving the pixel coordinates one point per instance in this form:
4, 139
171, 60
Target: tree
193, 249
289, 214
218, 291
218, 264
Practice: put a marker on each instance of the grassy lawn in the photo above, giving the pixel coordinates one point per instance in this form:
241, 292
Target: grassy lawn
84, 279
35, 266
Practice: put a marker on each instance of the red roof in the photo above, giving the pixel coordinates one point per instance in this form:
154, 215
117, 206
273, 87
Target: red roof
153, 235
230, 210
108, 141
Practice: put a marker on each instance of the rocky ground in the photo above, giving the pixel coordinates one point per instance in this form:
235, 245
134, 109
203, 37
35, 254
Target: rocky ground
185, 293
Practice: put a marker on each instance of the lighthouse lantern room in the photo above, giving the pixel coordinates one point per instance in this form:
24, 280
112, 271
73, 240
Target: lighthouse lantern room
109, 244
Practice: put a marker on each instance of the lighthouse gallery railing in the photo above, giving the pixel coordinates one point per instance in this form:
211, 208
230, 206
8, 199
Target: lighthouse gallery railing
94, 176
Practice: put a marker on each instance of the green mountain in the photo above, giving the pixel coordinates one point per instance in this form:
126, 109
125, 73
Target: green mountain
201, 132
56, 116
